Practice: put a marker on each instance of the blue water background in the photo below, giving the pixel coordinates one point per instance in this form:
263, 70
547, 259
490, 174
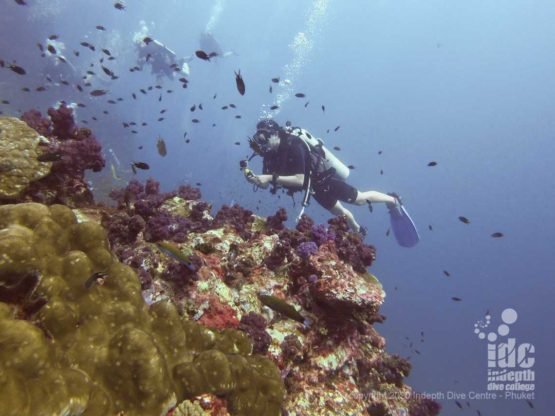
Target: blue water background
469, 84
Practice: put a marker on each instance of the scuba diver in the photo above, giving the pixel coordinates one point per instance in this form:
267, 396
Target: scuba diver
297, 161
162, 60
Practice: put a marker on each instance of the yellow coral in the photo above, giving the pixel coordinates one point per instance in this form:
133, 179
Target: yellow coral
100, 350
18, 157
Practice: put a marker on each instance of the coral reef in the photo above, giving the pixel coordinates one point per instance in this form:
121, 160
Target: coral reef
101, 349
70, 151
19, 150
158, 307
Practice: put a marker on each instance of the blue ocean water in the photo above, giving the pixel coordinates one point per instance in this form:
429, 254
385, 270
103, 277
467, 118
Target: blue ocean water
469, 85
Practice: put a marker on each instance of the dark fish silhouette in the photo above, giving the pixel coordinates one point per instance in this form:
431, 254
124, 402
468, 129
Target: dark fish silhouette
107, 71
202, 55
239, 82
100, 27
497, 235
464, 220
141, 165
21, 2
337, 128
119, 6
300, 95
49, 157
161, 146
237, 143
323, 108
432, 163
456, 299
147, 40
97, 278
336, 148
98, 93
274, 107
17, 69
351, 167
306, 104
430, 227
270, 89
53, 37
107, 52
195, 120
446, 273
193, 108
275, 80
51, 49
232, 105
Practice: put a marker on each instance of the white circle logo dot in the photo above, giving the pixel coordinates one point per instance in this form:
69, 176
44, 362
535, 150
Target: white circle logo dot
509, 316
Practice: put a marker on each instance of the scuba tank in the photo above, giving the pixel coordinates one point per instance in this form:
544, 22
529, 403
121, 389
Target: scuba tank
329, 160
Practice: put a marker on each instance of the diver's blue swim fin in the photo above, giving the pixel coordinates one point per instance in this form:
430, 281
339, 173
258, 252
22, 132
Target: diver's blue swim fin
403, 227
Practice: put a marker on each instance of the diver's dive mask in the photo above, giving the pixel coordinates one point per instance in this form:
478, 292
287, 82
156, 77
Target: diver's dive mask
260, 142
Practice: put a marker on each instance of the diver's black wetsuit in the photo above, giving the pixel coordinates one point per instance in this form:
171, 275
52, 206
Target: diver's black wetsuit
292, 158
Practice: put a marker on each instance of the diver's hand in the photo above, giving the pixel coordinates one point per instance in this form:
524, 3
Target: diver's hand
260, 180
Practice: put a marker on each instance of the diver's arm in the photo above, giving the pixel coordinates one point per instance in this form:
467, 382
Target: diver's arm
290, 181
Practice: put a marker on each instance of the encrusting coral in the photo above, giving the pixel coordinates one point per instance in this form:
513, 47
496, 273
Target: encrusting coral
102, 350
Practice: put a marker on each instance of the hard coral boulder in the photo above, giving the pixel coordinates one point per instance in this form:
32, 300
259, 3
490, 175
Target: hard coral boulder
94, 346
19, 150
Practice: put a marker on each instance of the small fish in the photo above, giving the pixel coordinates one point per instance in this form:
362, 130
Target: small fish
281, 306
193, 108
119, 5
17, 69
530, 404
51, 49
79, 87
97, 278
239, 82
143, 91
351, 167
380, 152
134, 96
464, 220
336, 148
49, 157
274, 107
456, 299
98, 93
430, 227
147, 40
300, 95
5, 102
76, 53
237, 143
200, 107
112, 102
81, 105
21, 2
161, 146
497, 235
174, 252
270, 89
53, 37
100, 27
275, 80
202, 55
62, 59
40, 89
225, 107
432, 163
323, 108
26, 89
141, 165
232, 105
306, 104
337, 128
237, 116
195, 120
446, 273
161, 119
388, 232
458, 404
107, 52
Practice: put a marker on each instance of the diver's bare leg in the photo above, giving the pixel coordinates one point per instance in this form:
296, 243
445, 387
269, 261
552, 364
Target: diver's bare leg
373, 196
339, 209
